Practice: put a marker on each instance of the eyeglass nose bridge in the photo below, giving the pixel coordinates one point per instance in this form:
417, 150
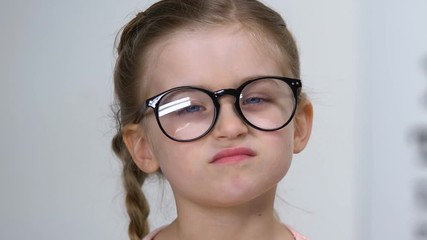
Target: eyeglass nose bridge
232, 92
229, 91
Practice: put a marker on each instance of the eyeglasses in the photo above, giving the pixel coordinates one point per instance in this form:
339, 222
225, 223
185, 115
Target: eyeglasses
188, 113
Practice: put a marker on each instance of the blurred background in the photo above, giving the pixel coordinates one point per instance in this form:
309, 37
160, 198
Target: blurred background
363, 175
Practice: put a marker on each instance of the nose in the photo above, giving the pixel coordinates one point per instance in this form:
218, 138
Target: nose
229, 125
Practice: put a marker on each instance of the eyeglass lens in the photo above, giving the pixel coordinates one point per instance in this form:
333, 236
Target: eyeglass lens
186, 114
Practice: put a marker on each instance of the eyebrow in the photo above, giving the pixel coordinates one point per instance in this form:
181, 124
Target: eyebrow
237, 83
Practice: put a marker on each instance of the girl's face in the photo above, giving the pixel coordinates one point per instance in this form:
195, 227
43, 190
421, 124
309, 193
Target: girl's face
252, 161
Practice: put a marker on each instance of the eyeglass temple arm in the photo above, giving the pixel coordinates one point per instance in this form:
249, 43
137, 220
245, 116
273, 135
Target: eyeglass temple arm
152, 102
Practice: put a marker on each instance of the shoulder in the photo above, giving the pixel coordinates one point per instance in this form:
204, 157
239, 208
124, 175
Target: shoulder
152, 234
297, 235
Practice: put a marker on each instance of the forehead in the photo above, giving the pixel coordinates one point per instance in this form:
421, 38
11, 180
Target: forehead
213, 58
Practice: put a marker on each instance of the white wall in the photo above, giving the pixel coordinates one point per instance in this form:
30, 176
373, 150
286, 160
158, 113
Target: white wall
396, 80
58, 176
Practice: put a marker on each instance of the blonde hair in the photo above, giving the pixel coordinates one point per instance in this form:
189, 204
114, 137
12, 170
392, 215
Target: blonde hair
149, 27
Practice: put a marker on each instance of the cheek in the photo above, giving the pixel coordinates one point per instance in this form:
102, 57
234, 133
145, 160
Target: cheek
158, 142
173, 157
280, 145
180, 165
283, 139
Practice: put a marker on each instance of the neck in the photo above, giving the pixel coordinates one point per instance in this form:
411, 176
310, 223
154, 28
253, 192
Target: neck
253, 220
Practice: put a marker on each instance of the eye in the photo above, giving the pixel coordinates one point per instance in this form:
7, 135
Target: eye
253, 100
191, 109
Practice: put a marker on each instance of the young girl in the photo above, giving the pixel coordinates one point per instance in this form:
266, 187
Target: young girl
209, 97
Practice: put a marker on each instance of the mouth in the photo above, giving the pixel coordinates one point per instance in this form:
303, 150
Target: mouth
233, 155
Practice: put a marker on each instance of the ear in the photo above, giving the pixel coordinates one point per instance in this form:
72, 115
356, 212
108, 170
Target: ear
139, 148
303, 125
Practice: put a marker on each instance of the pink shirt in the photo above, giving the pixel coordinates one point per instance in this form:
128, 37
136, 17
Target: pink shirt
297, 235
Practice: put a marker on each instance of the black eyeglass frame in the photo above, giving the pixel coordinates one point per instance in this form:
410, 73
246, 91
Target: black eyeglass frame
152, 102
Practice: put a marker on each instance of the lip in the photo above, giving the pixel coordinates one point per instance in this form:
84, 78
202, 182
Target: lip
233, 155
